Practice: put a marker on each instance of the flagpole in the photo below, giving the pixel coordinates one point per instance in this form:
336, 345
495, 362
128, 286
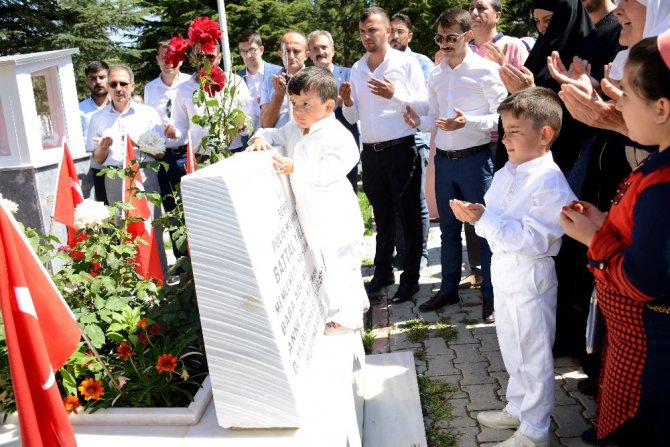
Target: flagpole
225, 47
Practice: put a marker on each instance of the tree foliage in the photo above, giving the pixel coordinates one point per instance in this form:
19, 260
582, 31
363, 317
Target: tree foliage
127, 31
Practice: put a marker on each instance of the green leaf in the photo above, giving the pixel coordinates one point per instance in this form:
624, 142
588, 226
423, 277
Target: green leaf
115, 303
69, 381
115, 336
95, 334
116, 327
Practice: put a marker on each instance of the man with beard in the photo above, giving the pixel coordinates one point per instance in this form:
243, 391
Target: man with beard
96, 79
401, 36
274, 102
383, 82
321, 51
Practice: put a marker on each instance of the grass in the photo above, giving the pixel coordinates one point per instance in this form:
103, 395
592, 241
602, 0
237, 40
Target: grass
469, 321
368, 341
417, 330
420, 355
367, 262
435, 405
366, 212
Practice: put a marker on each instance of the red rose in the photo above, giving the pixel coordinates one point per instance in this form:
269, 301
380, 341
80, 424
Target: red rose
205, 32
215, 81
176, 52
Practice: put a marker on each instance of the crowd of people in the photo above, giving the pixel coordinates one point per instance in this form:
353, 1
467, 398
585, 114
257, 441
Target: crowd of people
552, 154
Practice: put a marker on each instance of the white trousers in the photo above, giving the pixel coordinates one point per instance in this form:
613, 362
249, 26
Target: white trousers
525, 308
346, 294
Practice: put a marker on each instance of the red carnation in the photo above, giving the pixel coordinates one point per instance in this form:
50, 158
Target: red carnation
215, 81
205, 32
176, 51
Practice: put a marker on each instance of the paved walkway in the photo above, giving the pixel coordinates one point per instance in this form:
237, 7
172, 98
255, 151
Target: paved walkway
472, 361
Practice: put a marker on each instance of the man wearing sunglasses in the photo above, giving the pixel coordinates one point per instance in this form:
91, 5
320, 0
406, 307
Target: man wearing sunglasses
464, 92
107, 133
382, 83
255, 71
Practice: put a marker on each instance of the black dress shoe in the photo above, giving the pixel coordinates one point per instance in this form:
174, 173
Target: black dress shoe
590, 436
439, 300
404, 293
588, 386
377, 286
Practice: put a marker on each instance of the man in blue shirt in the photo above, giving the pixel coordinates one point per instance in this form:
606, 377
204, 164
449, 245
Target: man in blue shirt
255, 72
321, 50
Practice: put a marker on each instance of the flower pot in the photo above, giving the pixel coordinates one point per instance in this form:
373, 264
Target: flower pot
144, 416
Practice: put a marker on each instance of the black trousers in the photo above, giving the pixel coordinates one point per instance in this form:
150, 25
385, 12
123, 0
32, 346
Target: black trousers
99, 185
168, 181
392, 181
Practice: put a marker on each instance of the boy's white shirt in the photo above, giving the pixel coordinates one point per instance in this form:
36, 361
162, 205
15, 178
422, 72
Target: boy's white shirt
523, 206
327, 206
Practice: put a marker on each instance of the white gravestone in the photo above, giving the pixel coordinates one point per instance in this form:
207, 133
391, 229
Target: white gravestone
259, 290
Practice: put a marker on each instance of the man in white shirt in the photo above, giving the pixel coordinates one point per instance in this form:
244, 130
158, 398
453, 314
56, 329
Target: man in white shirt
274, 102
107, 135
255, 71
160, 94
382, 83
96, 78
464, 92
321, 52
401, 36
185, 110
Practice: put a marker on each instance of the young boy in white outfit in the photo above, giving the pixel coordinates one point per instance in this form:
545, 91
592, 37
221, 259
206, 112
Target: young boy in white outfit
521, 224
319, 153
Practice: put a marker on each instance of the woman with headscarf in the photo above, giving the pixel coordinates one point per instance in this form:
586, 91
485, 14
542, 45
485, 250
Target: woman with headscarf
563, 26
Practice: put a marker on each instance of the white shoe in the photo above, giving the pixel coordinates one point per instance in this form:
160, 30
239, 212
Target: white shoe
497, 419
518, 439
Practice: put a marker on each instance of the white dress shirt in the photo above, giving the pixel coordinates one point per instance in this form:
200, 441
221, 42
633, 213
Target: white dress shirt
185, 110
475, 88
160, 96
135, 121
88, 108
255, 84
381, 118
327, 206
523, 206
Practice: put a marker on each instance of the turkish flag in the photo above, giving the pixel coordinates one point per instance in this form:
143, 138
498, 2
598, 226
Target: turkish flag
68, 196
147, 260
190, 156
41, 334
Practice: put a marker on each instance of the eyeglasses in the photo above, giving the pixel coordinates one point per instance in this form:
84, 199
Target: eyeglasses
249, 51
450, 38
399, 31
115, 84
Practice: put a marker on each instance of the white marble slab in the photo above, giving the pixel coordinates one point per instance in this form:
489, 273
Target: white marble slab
259, 290
393, 415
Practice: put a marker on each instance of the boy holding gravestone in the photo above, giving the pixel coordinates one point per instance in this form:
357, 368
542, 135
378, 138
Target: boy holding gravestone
319, 153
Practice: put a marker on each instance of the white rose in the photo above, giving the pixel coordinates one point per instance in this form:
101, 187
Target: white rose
151, 143
11, 206
90, 213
